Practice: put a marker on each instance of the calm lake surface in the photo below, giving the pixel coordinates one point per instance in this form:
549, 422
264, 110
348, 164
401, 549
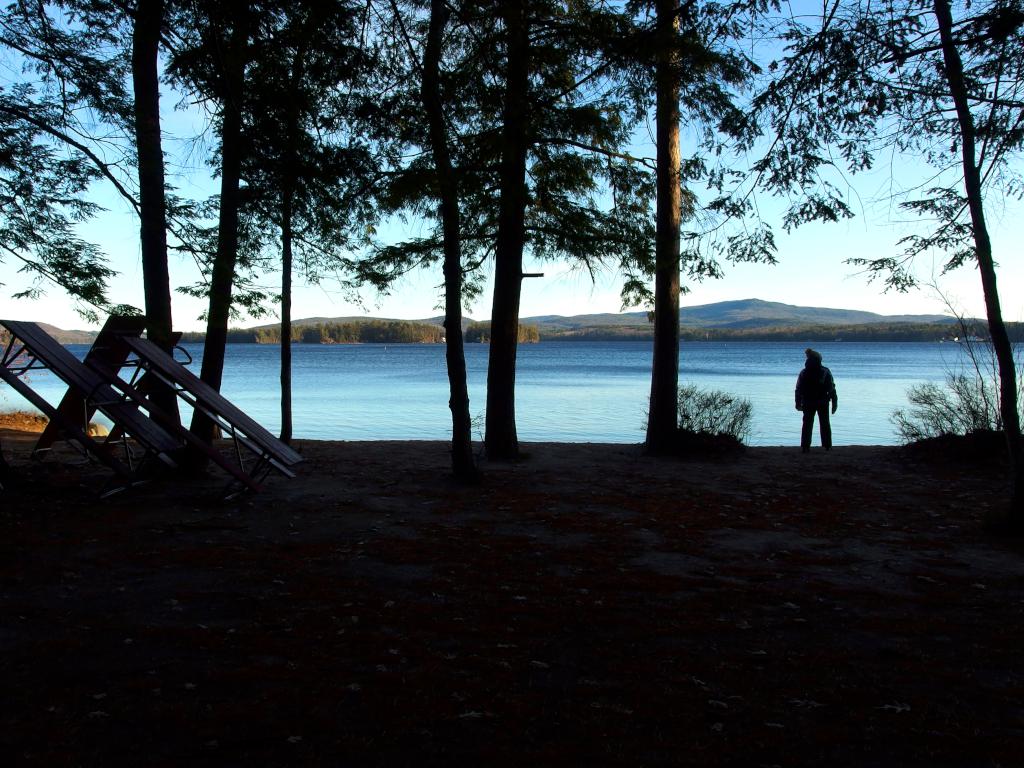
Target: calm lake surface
566, 391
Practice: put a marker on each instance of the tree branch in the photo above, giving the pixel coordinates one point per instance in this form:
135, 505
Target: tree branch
647, 162
102, 166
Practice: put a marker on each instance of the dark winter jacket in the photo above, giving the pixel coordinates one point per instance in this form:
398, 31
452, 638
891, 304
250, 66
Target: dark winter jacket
815, 387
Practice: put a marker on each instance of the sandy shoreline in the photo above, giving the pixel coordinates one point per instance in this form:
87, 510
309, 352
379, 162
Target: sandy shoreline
587, 604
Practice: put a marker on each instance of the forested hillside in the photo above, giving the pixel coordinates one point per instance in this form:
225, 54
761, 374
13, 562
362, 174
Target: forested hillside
481, 332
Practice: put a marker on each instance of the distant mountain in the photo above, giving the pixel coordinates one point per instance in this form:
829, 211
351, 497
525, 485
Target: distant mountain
68, 337
742, 314
755, 313
605, 320
59, 334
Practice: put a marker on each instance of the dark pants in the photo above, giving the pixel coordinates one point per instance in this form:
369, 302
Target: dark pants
823, 424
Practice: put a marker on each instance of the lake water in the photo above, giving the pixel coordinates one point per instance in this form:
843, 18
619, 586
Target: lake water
566, 391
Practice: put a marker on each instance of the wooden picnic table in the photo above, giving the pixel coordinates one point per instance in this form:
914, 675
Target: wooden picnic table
30, 347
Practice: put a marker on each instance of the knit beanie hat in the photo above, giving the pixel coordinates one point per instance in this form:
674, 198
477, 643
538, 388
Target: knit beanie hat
812, 355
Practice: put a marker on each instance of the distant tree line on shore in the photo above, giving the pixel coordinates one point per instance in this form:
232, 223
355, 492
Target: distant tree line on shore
353, 332
481, 332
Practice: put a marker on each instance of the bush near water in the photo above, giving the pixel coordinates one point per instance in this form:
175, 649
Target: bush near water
713, 412
711, 422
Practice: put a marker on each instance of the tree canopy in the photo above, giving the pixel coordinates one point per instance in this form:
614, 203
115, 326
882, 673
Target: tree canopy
62, 129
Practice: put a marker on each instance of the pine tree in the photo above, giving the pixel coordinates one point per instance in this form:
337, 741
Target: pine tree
663, 414
305, 170
463, 463
147, 24
211, 59
687, 56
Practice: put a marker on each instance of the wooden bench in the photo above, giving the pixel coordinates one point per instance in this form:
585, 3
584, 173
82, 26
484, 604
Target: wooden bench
30, 347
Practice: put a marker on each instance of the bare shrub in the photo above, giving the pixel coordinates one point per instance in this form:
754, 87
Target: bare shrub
713, 412
966, 404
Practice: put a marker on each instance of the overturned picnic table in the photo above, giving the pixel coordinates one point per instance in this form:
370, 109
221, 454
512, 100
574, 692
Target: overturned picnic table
97, 384
31, 348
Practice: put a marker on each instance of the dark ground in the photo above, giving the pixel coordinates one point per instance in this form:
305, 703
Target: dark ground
586, 606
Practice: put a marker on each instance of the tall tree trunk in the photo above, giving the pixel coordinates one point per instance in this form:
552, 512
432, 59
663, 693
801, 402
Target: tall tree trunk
986, 266
287, 195
500, 439
463, 464
223, 276
152, 204
289, 183
662, 420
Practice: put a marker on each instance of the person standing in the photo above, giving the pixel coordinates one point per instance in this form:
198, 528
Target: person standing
815, 390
